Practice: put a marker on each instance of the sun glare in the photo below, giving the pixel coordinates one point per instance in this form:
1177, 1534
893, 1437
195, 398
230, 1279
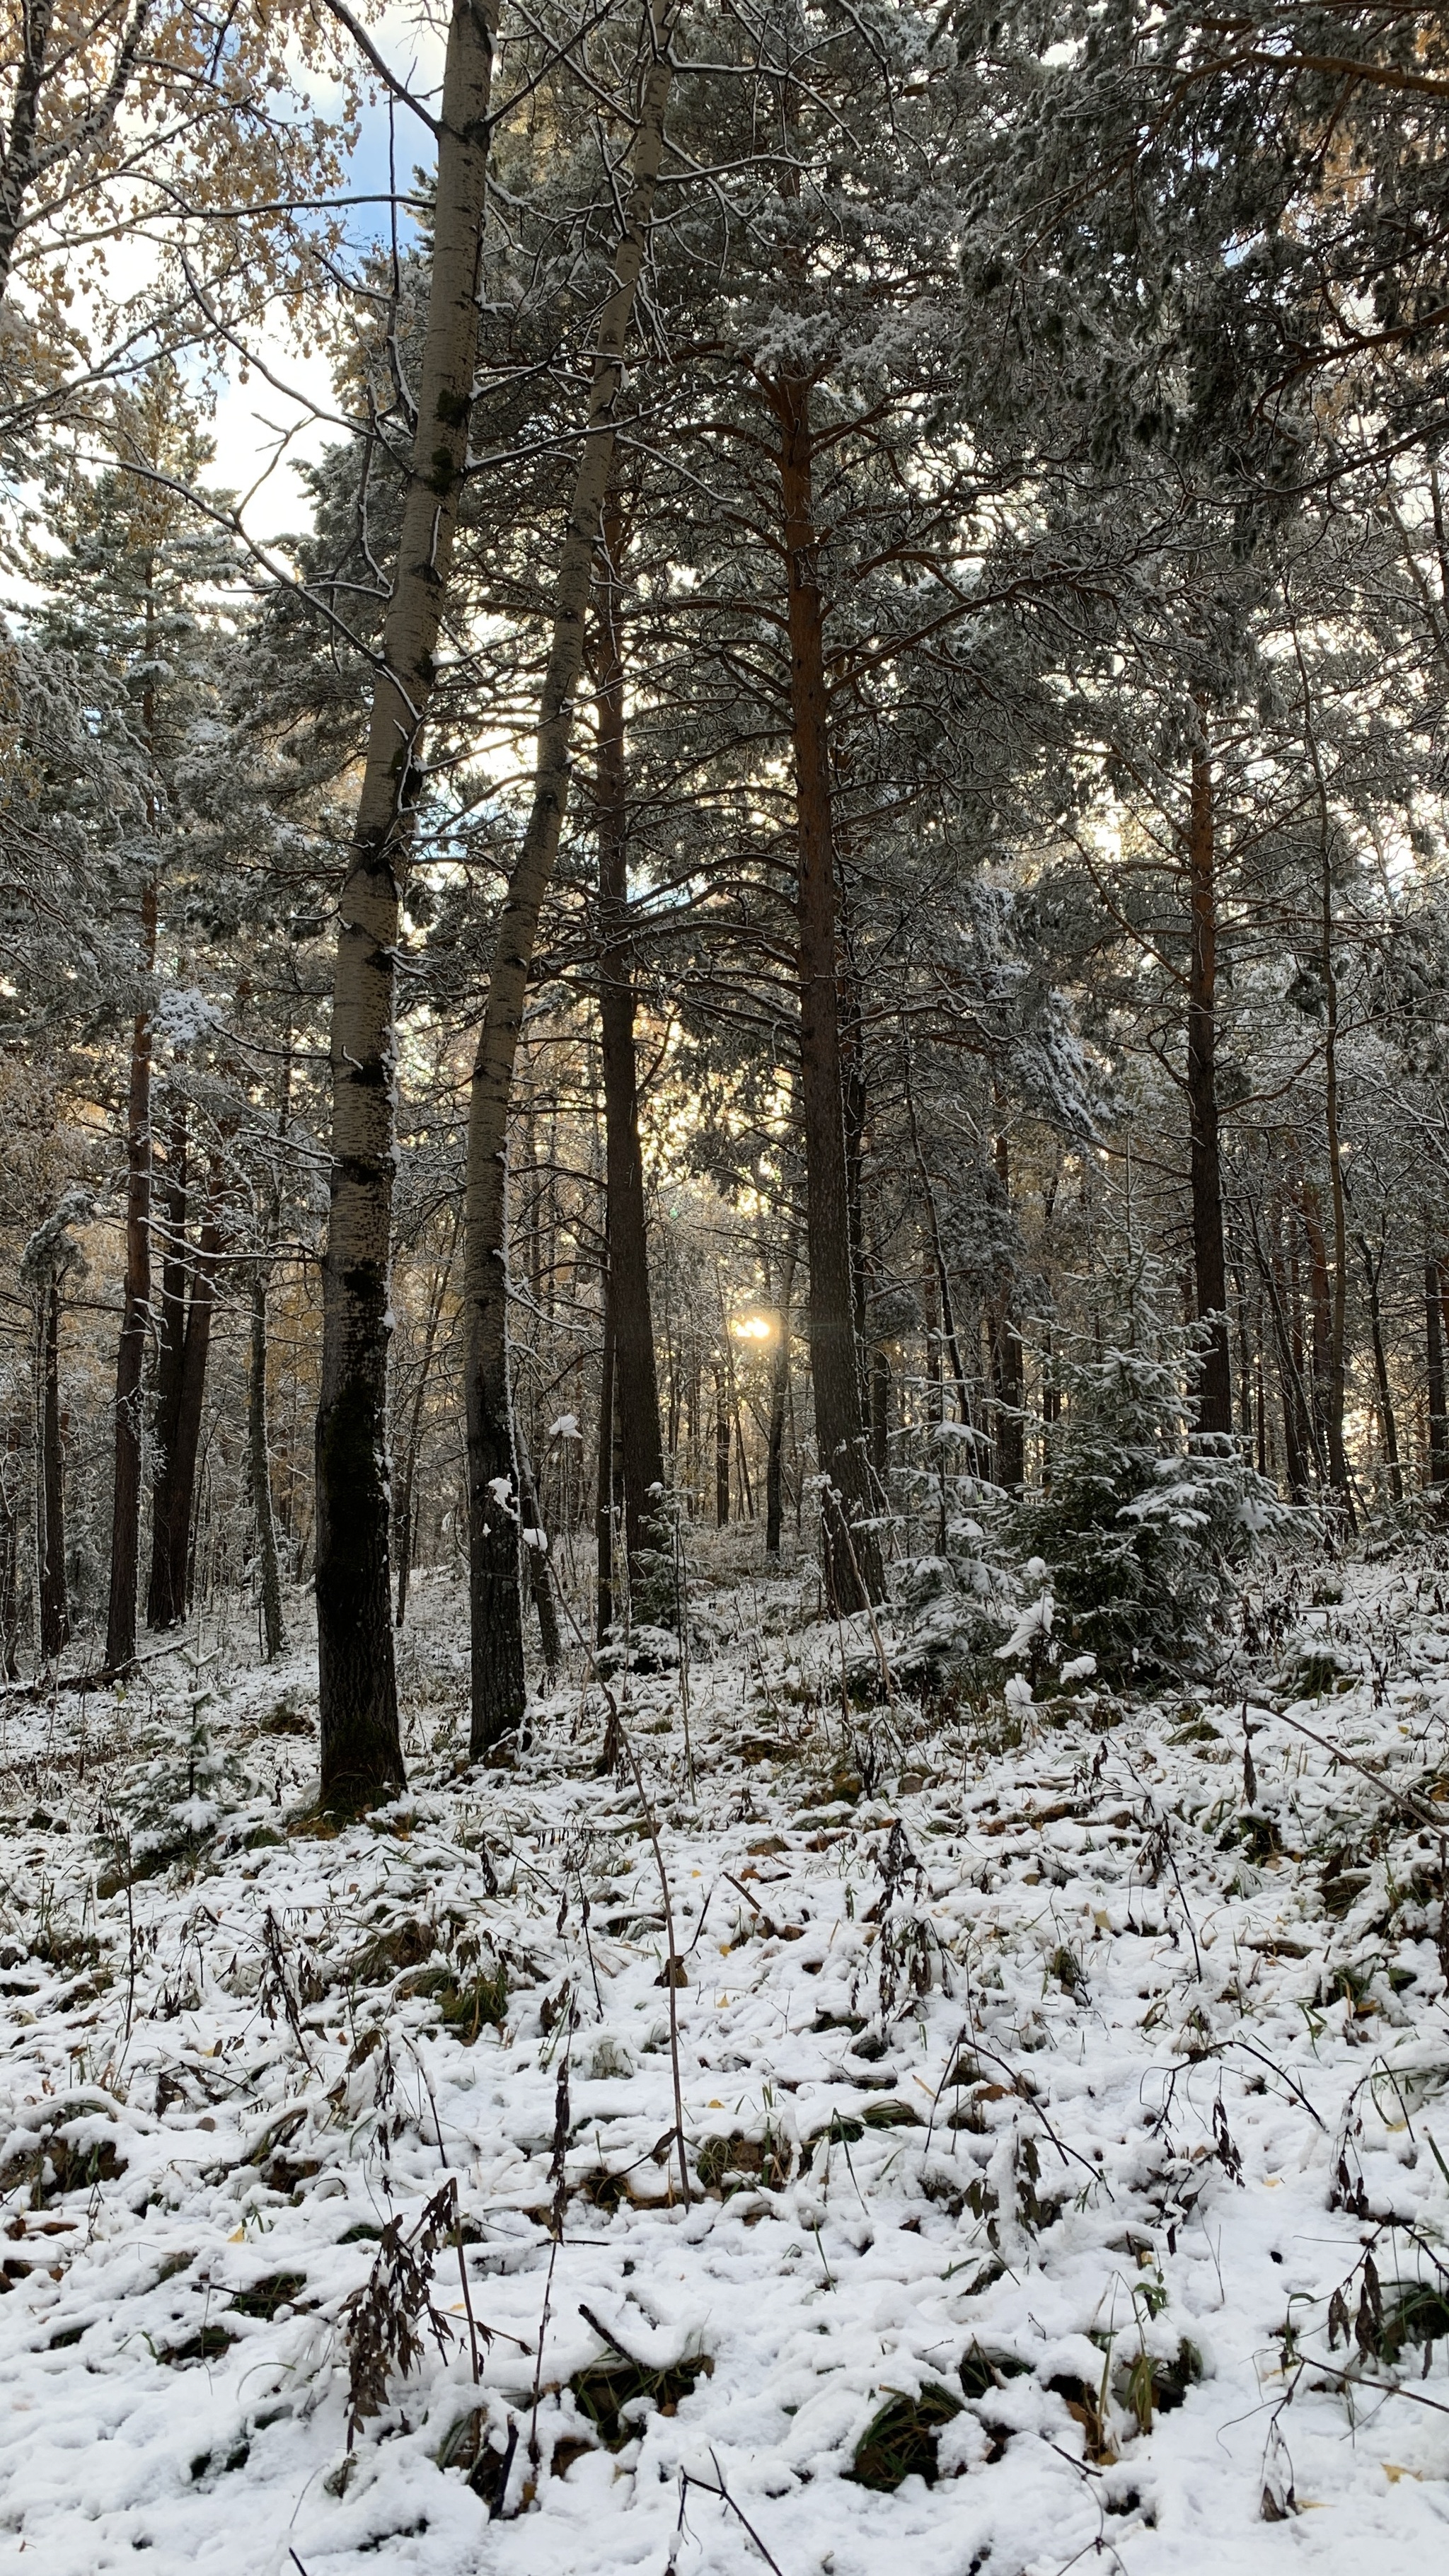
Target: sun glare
753, 1328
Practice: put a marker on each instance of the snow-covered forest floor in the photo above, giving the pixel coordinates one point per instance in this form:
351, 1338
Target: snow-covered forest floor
1067, 2118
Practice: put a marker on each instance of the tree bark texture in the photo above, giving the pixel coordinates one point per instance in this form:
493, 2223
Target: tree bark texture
19, 162
939, 1311
721, 1450
1210, 1286
405, 1516
636, 1386
50, 1491
779, 1391
1338, 1316
604, 1489
361, 1753
170, 1338
536, 1554
1434, 1339
1007, 1359
259, 1470
10, 1555
493, 1487
135, 1324
852, 1559
1373, 1274
175, 1489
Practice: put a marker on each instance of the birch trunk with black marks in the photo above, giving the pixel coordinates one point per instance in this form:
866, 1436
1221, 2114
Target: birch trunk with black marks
493, 1485
361, 1752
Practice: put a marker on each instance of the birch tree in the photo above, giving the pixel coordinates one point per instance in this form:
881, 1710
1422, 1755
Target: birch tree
361, 1750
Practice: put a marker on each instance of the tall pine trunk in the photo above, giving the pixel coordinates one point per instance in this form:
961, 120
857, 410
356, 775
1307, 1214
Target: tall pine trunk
10, 1555
1434, 1338
361, 1752
176, 1497
170, 1335
135, 1324
50, 1484
850, 1546
604, 1483
1338, 1311
721, 1449
175, 1490
1210, 1286
259, 1470
1007, 1359
1373, 1274
406, 1514
636, 1386
779, 1392
493, 1484
536, 1553
259, 1449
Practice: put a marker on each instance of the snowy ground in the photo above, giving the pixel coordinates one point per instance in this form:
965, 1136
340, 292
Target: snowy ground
1079, 2107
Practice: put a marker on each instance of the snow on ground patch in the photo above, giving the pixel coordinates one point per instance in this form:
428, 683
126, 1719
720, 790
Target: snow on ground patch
1067, 2127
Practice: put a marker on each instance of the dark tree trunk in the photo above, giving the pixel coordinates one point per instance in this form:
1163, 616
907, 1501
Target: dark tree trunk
170, 1323
406, 1515
1434, 1337
10, 1556
721, 1450
880, 1418
931, 1325
636, 1386
1280, 1280
259, 1453
746, 1510
1007, 1358
855, 1109
853, 1571
537, 1559
50, 1532
938, 1294
604, 1496
135, 1326
361, 1751
1245, 1361
1215, 1387
175, 1492
495, 1600
259, 1471
1373, 1272
779, 1391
